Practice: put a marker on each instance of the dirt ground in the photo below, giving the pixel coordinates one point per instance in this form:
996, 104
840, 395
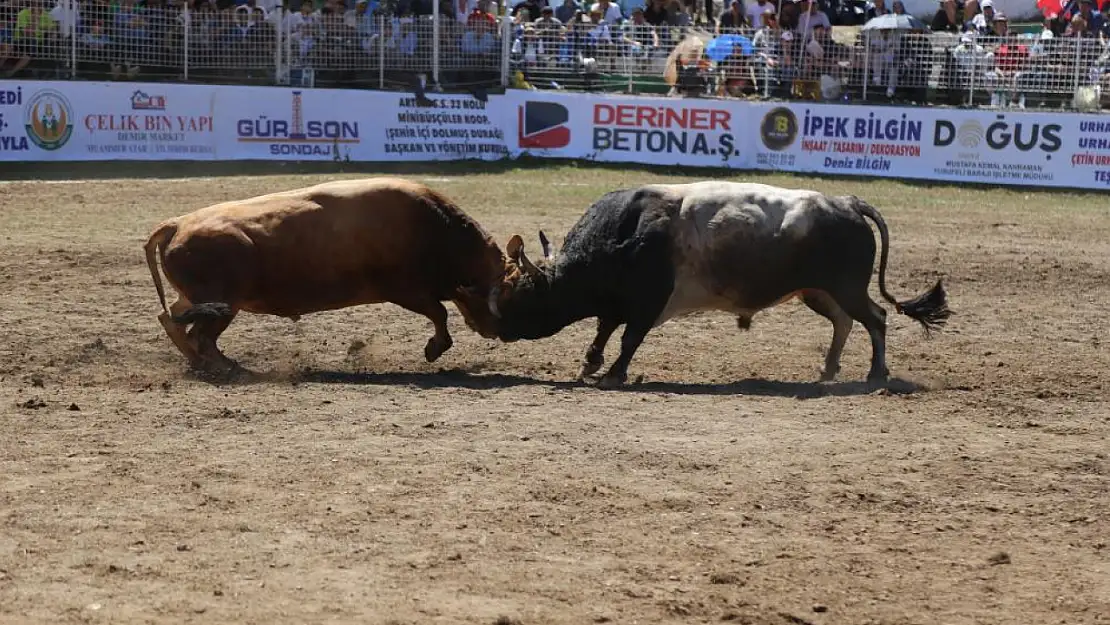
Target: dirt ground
364, 485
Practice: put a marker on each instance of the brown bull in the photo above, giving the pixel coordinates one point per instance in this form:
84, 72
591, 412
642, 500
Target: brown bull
325, 247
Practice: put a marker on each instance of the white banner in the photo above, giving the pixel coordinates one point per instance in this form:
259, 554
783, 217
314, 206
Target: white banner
272, 123
922, 143
85, 121
76, 121
629, 129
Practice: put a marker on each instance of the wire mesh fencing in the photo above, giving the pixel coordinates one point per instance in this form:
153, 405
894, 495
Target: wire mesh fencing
467, 46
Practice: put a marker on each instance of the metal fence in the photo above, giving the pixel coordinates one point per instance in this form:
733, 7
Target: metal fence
337, 47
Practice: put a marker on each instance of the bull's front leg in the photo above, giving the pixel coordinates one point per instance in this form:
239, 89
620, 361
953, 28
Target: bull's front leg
595, 354
435, 311
630, 341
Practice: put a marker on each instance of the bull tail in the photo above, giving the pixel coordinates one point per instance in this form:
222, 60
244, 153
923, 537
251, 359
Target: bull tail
155, 244
930, 308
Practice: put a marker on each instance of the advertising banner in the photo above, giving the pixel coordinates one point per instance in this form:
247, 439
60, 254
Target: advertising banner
630, 129
840, 139
79, 121
271, 123
994, 147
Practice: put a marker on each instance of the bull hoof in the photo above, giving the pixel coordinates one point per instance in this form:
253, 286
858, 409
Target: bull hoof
436, 348
878, 378
611, 381
743, 322
588, 369
827, 376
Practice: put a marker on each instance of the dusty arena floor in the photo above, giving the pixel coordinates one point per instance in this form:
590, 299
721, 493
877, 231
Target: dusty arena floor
364, 485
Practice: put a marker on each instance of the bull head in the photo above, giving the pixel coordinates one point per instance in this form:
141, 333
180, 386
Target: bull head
515, 252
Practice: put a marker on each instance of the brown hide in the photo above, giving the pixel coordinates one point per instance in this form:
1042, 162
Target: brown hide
330, 246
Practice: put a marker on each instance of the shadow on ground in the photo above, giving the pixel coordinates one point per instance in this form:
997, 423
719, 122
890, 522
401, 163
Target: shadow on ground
459, 378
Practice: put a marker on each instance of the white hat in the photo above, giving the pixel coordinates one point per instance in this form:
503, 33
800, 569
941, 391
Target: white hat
987, 3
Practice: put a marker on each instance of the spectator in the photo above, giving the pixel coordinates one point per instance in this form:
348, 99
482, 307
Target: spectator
481, 14
810, 17
882, 46
131, 36
532, 6
367, 26
755, 12
600, 36
899, 8
567, 11
1093, 21
302, 28
640, 38
96, 45
479, 38
945, 17
576, 43
773, 57
876, 8
732, 21
549, 29
520, 20
527, 48
678, 14
983, 23
972, 61
1010, 60
610, 12
656, 13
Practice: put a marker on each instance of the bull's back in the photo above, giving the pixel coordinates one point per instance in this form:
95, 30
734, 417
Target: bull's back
742, 247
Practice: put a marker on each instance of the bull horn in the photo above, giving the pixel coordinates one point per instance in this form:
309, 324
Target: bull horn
548, 253
494, 294
515, 248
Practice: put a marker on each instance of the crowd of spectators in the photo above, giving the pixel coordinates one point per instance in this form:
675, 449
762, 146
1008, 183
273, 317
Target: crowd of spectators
789, 51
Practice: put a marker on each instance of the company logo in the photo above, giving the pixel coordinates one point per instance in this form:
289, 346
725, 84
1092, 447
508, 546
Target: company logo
543, 125
143, 102
999, 135
47, 119
779, 128
297, 135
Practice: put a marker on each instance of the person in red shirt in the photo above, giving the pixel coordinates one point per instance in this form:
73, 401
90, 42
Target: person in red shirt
481, 16
1010, 59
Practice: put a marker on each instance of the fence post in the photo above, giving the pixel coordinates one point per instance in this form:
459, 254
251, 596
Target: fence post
435, 43
506, 47
381, 52
976, 67
1078, 68
187, 23
71, 8
280, 44
866, 62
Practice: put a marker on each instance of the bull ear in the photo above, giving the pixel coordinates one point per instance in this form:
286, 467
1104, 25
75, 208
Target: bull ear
515, 247
548, 253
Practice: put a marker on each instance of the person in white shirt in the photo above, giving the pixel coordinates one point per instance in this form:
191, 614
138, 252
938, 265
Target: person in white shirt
755, 11
810, 16
610, 12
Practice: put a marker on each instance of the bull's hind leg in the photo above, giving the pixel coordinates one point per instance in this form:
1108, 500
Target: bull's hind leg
435, 311
860, 307
595, 354
204, 334
176, 331
823, 304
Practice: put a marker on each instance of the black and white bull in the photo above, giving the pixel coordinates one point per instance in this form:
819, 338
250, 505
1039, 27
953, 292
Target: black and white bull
644, 255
